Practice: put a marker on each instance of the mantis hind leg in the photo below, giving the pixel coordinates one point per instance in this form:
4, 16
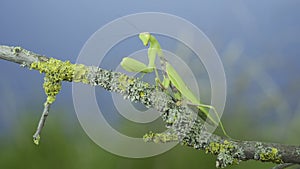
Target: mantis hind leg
201, 106
219, 119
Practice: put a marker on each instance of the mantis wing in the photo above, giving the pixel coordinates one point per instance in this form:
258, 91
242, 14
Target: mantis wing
177, 81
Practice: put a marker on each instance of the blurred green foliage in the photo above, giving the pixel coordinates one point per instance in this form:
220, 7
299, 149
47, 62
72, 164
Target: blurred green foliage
65, 145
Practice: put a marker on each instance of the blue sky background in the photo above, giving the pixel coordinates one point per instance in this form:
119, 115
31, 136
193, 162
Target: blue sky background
258, 42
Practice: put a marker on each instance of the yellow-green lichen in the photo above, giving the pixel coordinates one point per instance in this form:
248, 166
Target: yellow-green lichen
225, 153
122, 82
36, 140
267, 154
216, 148
17, 50
160, 137
271, 155
142, 94
131, 81
57, 71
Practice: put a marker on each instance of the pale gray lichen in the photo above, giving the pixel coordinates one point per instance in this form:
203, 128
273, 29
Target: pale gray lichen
129, 87
160, 100
297, 151
184, 124
101, 77
224, 159
228, 152
202, 139
239, 153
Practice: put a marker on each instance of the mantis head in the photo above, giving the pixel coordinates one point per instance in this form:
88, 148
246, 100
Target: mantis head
145, 37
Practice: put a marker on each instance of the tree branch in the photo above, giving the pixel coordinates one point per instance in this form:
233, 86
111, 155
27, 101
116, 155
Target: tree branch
183, 123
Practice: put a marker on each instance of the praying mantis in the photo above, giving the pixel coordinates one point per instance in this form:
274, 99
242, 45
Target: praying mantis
170, 77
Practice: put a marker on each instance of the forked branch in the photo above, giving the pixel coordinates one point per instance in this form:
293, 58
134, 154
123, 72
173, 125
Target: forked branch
183, 124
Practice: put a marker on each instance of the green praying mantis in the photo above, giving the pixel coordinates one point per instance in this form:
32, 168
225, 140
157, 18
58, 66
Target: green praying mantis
170, 77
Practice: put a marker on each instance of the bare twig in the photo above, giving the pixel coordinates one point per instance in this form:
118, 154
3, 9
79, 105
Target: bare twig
36, 136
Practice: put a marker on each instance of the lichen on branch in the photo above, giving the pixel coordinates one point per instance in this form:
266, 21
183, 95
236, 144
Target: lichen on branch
57, 71
183, 126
